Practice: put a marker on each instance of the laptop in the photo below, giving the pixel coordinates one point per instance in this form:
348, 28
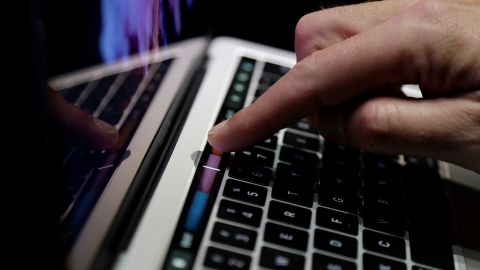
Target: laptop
162, 198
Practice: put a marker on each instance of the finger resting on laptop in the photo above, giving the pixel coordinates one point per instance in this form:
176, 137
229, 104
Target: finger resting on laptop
325, 78
401, 50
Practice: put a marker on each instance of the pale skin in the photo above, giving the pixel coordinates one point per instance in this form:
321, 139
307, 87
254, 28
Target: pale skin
352, 61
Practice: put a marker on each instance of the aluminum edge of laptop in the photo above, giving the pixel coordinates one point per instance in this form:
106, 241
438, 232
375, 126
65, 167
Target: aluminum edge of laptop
89, 240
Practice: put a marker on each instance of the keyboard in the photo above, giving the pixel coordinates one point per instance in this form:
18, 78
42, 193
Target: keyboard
298, 201
120, 99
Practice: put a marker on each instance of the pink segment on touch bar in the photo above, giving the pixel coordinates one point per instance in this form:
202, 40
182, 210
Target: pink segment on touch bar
209, 172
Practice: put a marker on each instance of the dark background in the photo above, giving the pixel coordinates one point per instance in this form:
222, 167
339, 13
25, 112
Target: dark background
74, 44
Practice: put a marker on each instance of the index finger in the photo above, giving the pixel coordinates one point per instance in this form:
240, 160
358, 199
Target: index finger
326, 78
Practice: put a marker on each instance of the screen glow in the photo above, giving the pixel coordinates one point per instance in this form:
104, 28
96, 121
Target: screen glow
136, 26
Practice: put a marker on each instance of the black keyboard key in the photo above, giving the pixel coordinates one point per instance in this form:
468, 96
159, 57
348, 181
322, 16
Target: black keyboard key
322, 262
129, 86
242, 77
382, 178
428, 221
339, 199
286, 236
71, 94
245, 156
234, 236
276, 259
381, 195
239, 88
236, 96
372, 262
337, 221
245, 192
251, 172
261, 90
255, 156
270, 142
294, 173
304, 126
276, 69
179, 260
384, 244
387, 184
301, 141
384, 221
340, 155
383, 198
98, 92
241, 213
111, 115
293, 184
383, 203
298, 157
340, 176
289, 214
336, 243
268, 79
222, 259
227, 114
235, 101
113, 112
263, 157
247, 65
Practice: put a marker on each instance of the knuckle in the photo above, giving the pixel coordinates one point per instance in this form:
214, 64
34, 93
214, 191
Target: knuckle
314, 30
434, 24
306, 34
303, 27
308, 23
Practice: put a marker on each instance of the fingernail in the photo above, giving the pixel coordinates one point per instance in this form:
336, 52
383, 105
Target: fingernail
104, 126
217, 127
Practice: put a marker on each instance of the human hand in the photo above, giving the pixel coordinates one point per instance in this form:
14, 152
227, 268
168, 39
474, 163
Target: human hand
80, 126
352, 61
